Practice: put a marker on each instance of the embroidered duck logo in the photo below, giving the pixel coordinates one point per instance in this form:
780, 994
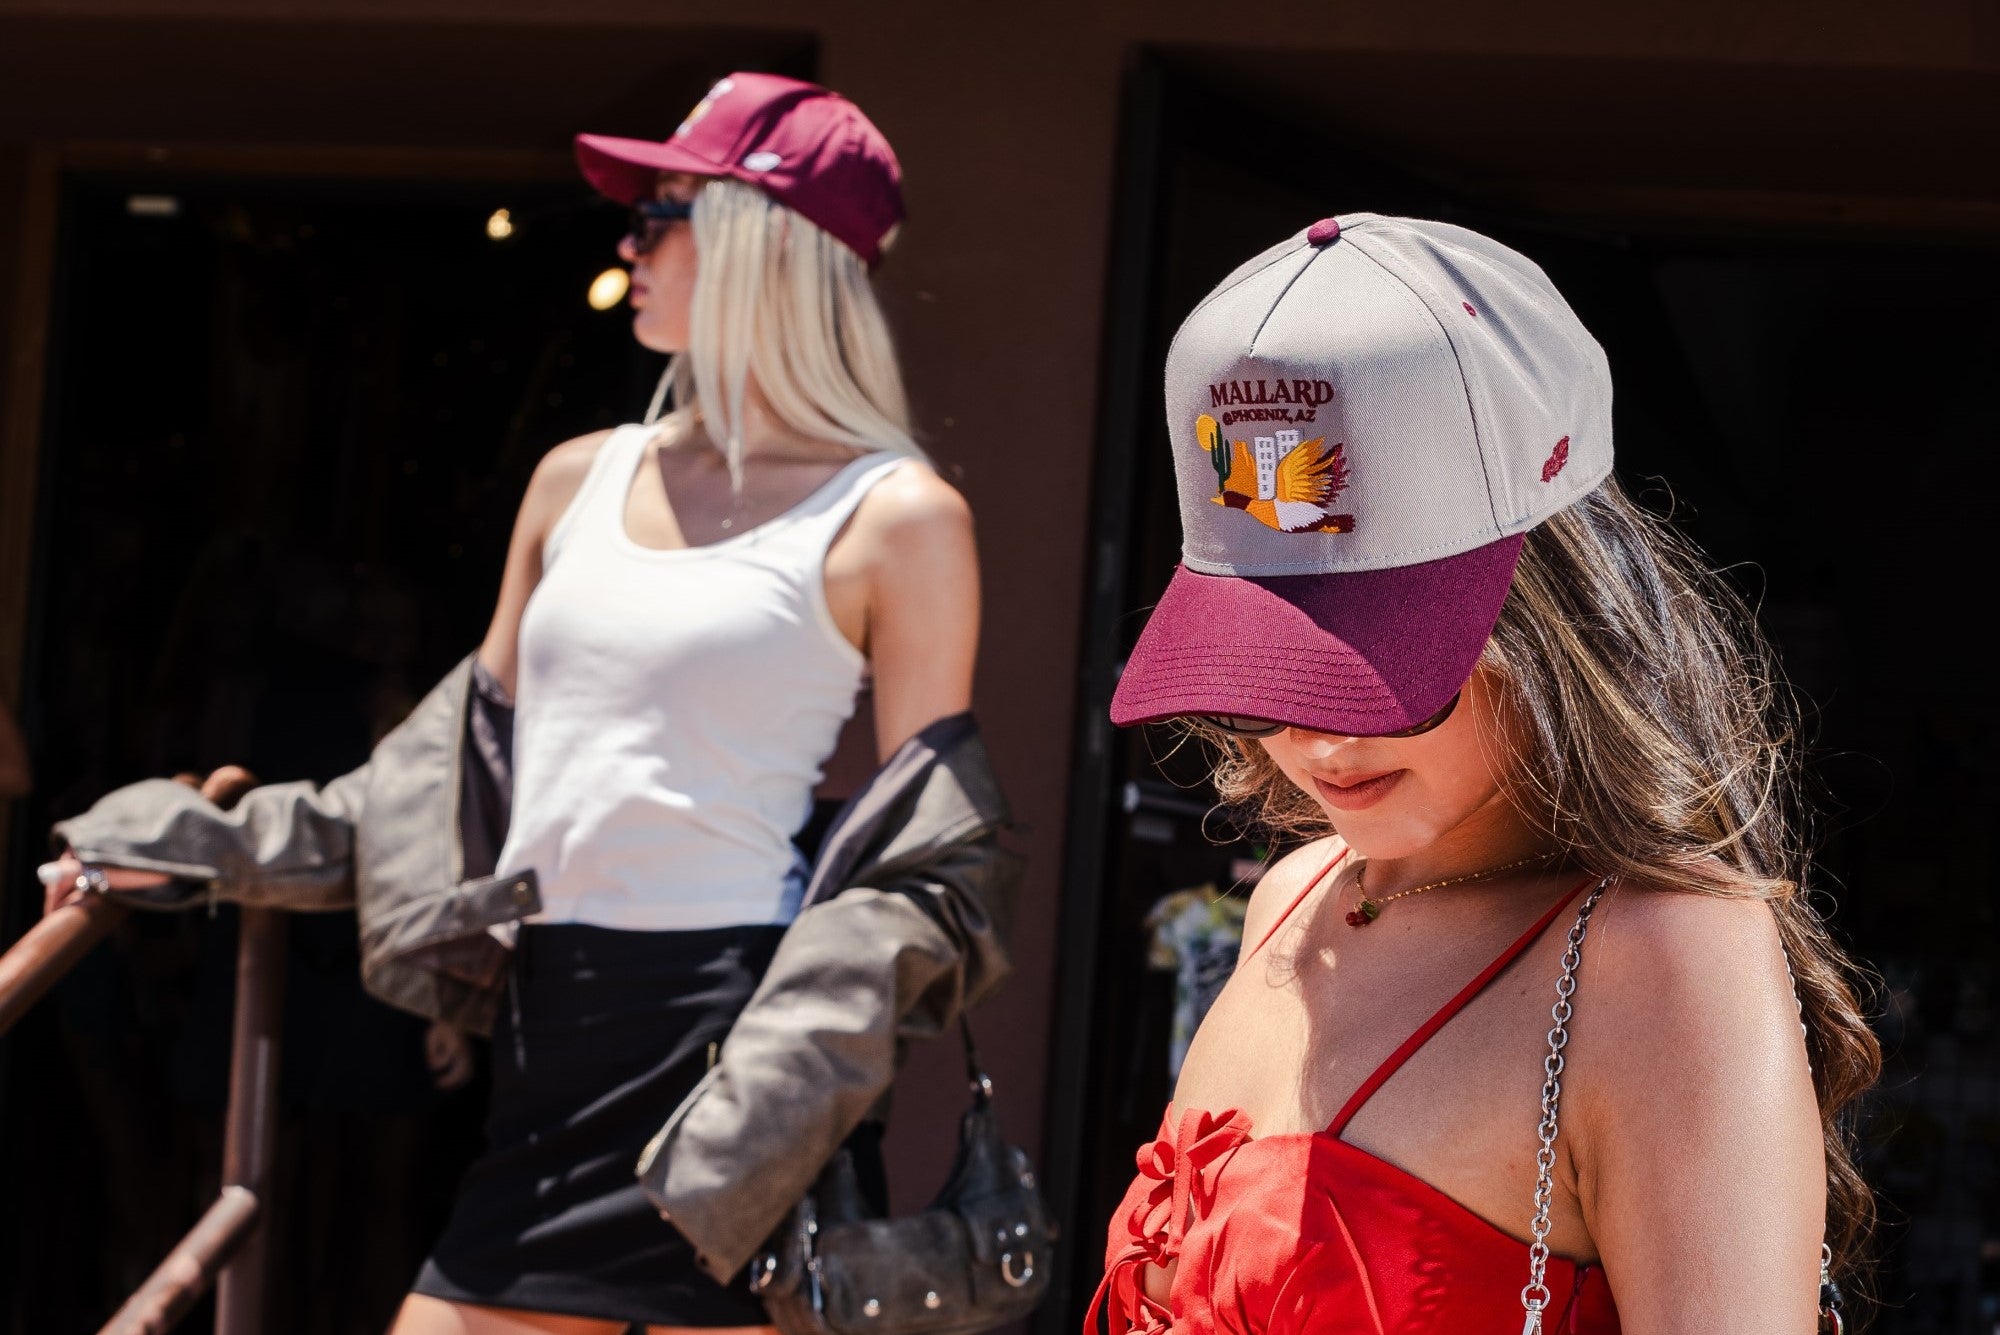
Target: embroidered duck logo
1280, 480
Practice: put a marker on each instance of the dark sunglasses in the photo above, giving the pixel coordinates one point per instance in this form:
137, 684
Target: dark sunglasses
1238, 726
651, 218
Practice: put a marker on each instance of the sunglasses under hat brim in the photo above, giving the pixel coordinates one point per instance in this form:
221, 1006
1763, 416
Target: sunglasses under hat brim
1362, 653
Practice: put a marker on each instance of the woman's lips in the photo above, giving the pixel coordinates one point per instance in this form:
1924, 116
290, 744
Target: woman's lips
1357, 794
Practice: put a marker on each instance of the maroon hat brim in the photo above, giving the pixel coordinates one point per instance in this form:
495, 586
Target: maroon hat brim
626, 169
1355, 654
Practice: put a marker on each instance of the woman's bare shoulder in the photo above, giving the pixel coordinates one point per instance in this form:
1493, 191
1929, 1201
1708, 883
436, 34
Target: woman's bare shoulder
562, 470
914, 504
913, 534
577, 451
1282, 884
1684, 989
1646, 938
554, 484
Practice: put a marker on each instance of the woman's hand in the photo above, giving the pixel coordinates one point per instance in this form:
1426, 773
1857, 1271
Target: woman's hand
222, 787
448, 1052
63, 889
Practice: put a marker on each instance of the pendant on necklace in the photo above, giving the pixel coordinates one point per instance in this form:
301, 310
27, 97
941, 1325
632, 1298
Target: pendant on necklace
1366, 912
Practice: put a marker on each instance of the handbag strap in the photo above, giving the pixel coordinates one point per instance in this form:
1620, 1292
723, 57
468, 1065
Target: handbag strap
1535, 1297
975, 1073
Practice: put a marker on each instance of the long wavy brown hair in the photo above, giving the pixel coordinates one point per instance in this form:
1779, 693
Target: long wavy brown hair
1664, 751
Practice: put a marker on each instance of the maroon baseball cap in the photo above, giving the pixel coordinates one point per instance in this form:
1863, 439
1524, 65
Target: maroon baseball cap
1366, 420
805, 146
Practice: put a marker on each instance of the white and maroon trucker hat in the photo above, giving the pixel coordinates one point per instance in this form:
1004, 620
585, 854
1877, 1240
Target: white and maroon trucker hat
1365, 420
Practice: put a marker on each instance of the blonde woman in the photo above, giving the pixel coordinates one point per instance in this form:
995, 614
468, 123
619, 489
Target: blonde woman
611, 784
687, 613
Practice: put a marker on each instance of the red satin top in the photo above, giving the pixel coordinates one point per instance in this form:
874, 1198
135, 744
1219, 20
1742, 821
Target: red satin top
1308, 1233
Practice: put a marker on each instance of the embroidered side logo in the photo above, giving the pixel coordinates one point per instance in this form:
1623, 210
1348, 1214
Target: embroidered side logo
1558, 457
703, 107
1282, 481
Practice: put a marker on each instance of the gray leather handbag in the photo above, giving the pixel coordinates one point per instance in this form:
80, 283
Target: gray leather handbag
976, 1259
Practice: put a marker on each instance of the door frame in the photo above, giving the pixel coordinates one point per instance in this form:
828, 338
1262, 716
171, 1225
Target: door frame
1136, 237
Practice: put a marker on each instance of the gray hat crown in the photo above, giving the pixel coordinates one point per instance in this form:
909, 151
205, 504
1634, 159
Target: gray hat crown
1377, 392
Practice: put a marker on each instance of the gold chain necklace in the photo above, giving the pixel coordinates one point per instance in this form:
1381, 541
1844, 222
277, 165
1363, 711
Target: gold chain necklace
1368, 910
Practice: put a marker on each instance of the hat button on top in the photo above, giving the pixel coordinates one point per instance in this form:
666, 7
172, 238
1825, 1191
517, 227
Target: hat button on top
1324, 232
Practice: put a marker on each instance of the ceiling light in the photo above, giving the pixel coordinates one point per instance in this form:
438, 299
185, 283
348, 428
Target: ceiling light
608, 289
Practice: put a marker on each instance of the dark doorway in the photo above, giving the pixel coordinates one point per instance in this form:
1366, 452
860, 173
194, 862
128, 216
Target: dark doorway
289, 422
1814, 410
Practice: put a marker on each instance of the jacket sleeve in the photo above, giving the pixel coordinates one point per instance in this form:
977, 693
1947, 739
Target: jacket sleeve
856, 976
284, 845
294, 845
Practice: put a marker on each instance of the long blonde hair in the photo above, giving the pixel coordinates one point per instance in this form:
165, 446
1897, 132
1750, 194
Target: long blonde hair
1662, 751
779, 301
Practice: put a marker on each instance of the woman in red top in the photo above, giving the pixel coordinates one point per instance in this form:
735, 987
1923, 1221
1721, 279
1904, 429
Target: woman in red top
1515, 1042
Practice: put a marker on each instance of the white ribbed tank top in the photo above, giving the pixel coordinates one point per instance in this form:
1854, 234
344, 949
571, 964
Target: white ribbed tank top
674, 708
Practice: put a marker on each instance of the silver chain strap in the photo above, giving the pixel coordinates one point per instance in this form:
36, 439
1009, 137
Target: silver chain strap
1535, 1297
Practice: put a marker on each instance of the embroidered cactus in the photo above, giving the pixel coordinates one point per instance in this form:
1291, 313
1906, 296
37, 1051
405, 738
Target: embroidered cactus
1209, 432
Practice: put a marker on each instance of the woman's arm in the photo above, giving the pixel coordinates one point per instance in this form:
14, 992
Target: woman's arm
1697, 1148
553, 486
913, 536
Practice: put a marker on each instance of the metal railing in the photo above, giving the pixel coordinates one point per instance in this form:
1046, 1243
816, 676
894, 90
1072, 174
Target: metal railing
226, 1247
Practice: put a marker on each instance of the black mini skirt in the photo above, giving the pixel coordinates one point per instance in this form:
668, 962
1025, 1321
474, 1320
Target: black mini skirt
604, 1033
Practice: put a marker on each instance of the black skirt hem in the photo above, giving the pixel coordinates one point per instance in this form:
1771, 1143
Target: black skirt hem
563, 1295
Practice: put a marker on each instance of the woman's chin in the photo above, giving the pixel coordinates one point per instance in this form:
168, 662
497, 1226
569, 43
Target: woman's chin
1380, 840
655, 343
646, 332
